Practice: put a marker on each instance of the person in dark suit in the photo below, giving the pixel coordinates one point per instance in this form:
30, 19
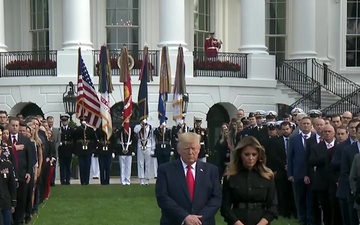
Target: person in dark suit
296, 172
320, 163
347, 157
187, 190
249, 195
23, 162
276, 152
311, 144
355, 182
342, 178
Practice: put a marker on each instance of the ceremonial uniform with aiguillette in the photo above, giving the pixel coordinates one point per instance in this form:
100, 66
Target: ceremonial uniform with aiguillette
124, 145
204, 147
104, 155
175, 131
65, 150
145, 148
85, 143
163, 144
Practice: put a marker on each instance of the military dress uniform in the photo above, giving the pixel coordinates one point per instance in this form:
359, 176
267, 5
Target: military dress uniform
104, 155
124, 145
85, 143
65, 150
175, 131
163, 148
260, 131
145, 148
204, 146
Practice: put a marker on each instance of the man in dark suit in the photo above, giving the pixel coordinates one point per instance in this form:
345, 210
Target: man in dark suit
23, 162
343, 181
187, 190
296, 172
276, 152
347, 157
319, 164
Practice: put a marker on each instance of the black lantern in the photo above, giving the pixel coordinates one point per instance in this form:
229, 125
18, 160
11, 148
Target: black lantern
185, 102
69, 99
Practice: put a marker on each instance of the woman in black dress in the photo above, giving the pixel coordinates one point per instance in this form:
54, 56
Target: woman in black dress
249, 195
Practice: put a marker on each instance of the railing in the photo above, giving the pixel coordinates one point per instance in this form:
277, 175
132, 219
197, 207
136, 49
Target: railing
307, 101
224, 65
28, 63
345, 104
154, 56
308, 88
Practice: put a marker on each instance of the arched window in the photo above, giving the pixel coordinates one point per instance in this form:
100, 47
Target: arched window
39, 26
201, 23
122, 24
276, 27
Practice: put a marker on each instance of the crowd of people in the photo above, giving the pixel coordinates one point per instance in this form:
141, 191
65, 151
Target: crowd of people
314, 158
27, 163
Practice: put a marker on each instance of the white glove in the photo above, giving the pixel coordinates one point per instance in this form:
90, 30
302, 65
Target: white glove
133, 153
113, 155
206, 155
171, 153
60, 144
152, 153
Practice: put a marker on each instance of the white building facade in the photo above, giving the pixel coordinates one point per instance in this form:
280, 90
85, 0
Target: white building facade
261, 29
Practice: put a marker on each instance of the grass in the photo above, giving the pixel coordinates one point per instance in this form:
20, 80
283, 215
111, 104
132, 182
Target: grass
104, 205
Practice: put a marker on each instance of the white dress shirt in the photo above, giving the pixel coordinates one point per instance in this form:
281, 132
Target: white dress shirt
186, 169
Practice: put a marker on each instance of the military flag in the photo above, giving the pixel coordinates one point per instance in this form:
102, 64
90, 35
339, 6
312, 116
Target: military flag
145, 77
165, 84
126, 79
179, 87
105, 88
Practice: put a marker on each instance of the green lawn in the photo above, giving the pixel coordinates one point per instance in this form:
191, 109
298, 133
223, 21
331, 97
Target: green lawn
105, 205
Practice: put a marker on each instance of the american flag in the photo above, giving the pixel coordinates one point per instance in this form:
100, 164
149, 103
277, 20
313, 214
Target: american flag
88, 103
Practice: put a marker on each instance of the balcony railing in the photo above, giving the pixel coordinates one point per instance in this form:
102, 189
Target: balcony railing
154, 56
224, 65
28, 63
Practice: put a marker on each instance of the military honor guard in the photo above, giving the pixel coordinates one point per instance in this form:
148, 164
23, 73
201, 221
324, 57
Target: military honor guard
204, 149
212, 46
85, 143
271, 116
125, 145
180, 128
145, 148
104, 155
163, 149
65, 149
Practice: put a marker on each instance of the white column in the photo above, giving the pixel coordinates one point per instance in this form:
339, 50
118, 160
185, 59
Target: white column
76, 24
252, 24
172, 33
172, 23
302, 37
3, 47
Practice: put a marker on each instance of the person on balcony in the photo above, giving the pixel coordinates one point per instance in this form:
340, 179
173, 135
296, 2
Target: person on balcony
212, 46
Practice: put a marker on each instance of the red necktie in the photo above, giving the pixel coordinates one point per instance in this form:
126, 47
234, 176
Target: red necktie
190, 181
14, 142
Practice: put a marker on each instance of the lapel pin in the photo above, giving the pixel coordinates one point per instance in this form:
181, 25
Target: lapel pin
201, 170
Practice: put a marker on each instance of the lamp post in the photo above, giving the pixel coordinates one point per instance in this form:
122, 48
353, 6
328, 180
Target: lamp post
69, 99
185, 102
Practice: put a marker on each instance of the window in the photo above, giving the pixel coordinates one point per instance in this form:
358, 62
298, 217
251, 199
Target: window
39, 15
353, 34
276, 27
122, 24
201, 23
